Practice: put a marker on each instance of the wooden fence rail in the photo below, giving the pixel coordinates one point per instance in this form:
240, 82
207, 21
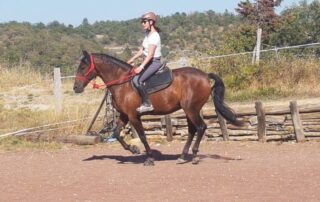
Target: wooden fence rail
284, 122
262, 123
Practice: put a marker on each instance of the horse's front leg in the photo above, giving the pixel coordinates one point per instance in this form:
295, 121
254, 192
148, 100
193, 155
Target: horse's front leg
136, 123
121, 122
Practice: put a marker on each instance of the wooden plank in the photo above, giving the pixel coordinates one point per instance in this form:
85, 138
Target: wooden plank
261, 122
79, 139
269, 120
298, 129
168, 128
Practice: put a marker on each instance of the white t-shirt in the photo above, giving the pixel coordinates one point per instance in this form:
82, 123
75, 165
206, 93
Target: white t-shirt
152, 39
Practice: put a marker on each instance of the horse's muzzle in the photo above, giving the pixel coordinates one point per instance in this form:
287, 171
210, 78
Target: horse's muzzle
78, 88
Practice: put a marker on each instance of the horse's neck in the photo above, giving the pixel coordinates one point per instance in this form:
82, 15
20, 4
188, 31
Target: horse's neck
109, 73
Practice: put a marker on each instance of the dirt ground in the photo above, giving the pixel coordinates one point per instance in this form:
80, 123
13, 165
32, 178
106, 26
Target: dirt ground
228, 171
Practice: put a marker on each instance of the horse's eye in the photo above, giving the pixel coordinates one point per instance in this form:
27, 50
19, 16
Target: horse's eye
83, 66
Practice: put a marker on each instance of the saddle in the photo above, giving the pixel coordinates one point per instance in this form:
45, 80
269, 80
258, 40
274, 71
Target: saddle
160, 80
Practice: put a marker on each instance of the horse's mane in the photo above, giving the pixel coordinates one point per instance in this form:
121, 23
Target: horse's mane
108, 58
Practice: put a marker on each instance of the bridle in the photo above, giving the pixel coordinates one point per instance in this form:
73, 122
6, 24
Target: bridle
92, 68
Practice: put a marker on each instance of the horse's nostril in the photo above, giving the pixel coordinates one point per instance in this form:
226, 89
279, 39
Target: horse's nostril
76, 89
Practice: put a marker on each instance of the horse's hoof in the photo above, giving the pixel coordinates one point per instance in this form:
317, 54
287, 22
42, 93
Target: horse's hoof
195, 160
149, 162
134, 149
181, 161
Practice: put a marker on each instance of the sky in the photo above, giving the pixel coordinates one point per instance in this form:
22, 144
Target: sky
74, 11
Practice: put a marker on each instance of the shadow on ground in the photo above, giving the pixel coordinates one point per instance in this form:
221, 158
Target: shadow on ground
138, 159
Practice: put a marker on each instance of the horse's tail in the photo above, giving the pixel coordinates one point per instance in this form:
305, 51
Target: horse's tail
217, 94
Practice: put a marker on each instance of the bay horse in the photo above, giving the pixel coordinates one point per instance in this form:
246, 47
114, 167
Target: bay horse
189, 90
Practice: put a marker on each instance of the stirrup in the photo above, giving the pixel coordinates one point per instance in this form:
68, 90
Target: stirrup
144, 108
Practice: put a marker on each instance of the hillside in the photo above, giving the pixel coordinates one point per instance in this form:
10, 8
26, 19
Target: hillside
201, 33
58, 45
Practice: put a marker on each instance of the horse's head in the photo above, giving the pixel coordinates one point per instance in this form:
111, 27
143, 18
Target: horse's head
85, 73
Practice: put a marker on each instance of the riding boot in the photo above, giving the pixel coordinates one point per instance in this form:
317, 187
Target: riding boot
146, 105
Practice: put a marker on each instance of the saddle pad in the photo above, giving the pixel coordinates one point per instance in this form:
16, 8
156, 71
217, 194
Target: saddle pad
158, 81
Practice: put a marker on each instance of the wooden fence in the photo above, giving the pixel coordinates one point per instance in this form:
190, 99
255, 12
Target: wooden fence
284, 122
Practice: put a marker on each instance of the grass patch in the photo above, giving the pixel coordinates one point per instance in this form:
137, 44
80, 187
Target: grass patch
271, 79
18, 144
18, 76
252, 95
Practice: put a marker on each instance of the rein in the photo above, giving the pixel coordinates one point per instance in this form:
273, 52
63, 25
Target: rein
119, 81
115, 82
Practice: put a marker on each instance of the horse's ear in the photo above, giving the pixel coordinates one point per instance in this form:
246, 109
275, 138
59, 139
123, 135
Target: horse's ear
86, 56
85, 53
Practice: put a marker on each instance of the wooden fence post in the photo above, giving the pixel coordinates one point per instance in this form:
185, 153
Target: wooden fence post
261, 122
223, 126
57, 89
167, 119
298, 129
259, 33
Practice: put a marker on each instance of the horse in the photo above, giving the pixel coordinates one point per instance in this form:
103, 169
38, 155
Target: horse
189, 90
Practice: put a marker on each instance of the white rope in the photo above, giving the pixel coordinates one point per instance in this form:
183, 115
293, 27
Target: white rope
26, 130
47, 130
67, 77
266, 50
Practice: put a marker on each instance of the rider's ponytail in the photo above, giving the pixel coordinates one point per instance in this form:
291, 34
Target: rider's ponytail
157, 29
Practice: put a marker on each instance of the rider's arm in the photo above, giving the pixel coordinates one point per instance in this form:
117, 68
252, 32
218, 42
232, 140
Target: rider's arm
137, 55
151, 51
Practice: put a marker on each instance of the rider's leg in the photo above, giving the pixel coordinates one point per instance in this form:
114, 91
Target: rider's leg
146, 103
147, 73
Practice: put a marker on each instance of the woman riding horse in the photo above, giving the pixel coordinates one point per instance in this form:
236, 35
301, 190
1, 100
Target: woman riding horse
189, 90
151, 50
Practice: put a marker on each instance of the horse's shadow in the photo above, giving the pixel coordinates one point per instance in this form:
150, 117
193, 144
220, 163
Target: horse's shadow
139, 159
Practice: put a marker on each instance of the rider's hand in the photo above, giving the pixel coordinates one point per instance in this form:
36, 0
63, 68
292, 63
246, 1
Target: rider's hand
131, 62
138, 69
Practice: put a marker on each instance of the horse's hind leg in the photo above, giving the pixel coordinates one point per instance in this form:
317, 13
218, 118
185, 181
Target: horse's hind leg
122, 121
191, 130
201, 127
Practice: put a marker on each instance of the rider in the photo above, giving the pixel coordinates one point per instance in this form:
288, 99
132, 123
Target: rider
151, 51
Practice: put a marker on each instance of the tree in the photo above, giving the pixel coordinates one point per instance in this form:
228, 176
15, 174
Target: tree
300, 25
261, 14
85, 22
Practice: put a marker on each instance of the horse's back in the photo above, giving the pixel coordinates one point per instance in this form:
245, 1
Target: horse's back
189, 71
193, 84
191, 75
